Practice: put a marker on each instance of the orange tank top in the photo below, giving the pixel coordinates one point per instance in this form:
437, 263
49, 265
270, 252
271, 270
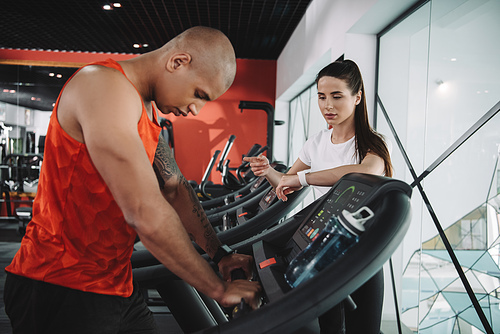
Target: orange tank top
78, 237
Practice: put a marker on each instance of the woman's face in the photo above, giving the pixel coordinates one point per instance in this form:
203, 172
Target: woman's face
336, 102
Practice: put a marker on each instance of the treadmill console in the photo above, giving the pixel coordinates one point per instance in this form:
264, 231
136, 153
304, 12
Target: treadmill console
267, 200
350, 193
347, 195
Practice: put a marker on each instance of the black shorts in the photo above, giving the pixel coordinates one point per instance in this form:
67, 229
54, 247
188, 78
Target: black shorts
39, 307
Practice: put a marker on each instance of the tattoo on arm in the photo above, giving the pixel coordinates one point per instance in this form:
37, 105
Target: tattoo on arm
165, 169
164, 163
212, 242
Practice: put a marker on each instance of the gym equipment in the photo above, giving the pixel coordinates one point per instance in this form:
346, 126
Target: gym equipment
21, 171
19, 175
225, 202
286, 309
244, 173
239, 222
215, 190
269, 109
252, 188
207, 190
254, 216
167, 131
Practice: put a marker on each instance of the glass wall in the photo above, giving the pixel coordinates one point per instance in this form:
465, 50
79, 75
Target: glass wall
27, 95
439, 85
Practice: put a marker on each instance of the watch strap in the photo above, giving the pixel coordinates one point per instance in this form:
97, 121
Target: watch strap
302, 178
222, 251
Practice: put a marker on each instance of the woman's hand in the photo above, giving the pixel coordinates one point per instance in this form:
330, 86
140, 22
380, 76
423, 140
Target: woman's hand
288, 184
259, 164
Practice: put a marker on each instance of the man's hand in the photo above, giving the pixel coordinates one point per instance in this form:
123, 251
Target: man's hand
234, 291
235, 261
287, 185
239, 288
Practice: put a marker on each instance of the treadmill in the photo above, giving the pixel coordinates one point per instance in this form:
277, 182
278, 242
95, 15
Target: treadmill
239, 222
285, 309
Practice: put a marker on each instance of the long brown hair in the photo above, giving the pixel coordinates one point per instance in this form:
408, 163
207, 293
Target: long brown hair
367, 139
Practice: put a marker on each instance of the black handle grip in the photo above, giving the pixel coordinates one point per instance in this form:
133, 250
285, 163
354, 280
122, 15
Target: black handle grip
238, 274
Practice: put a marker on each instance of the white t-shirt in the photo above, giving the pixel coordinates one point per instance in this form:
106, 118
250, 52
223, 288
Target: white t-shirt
320, 153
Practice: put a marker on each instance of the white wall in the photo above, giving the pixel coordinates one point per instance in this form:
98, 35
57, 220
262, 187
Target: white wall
322, 28
330, 27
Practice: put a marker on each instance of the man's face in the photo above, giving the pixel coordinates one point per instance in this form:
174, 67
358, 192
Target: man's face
187, 90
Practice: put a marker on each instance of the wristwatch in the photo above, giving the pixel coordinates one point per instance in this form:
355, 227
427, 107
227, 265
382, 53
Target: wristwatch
222, 251
302, 177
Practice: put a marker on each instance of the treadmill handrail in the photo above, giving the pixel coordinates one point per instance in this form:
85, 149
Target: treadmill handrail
225, 152
210, 166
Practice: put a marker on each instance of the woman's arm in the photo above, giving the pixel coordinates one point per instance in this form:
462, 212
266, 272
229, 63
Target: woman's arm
371, 164
261, 167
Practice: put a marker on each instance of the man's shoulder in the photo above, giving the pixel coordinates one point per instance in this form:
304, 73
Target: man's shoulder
102, 81
101, 72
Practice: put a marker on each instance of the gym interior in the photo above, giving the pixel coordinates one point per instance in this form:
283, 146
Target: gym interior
432, 80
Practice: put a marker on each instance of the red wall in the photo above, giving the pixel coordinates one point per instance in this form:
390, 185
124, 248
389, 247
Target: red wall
197, 138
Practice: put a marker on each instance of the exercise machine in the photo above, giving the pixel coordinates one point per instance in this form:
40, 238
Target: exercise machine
285, 309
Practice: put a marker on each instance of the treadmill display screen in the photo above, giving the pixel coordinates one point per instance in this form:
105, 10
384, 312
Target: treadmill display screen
267, 200
346, 196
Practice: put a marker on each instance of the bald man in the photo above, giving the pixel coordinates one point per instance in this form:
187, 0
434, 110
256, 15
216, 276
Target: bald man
107, 177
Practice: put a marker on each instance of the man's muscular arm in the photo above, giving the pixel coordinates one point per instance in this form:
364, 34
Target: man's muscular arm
179, 193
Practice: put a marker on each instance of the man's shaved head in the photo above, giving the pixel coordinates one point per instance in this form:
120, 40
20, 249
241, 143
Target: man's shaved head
211, 51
